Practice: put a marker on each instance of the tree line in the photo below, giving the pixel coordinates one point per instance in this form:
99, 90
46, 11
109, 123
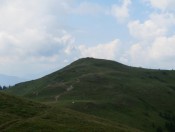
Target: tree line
4, 87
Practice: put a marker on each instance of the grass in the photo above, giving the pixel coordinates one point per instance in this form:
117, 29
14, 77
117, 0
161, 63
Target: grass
19, 114
108, 90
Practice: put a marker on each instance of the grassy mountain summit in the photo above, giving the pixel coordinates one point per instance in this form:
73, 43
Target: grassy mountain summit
64, 77
136, 97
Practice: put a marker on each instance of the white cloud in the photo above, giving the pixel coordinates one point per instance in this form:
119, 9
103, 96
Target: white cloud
32, 35
104, 51
159, 53
157, 25
87, 8
162, 4
154, 44
121, 12
146, 30
136, 51
163, 48
138, 55
163, 19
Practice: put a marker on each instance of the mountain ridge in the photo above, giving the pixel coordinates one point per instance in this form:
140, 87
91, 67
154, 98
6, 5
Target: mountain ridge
137, 97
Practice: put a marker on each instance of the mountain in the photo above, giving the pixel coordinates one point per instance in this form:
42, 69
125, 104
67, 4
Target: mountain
9, 80
139, 98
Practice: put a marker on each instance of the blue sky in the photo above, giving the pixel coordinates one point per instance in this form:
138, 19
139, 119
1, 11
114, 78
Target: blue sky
40, 36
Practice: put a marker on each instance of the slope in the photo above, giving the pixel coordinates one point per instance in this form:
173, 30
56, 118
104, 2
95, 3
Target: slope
140, 98
17, 114
64, 77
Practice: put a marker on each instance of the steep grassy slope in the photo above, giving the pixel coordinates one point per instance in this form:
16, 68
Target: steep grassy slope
13, 110
20, 115
140, 98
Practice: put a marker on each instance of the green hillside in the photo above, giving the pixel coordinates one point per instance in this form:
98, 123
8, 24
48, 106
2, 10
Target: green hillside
20, 115
136, 97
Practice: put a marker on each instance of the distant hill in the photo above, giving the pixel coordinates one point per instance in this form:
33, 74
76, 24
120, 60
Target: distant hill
135, 97
6, 80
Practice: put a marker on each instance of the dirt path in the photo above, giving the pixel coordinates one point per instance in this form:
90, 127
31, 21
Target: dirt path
67, 90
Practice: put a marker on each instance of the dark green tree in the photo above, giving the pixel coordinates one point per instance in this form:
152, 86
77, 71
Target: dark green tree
4, 87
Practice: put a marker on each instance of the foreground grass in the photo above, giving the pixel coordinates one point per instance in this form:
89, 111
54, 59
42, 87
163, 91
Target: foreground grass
23, 115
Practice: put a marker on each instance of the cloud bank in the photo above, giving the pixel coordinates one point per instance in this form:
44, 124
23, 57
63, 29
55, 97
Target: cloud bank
40, 36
